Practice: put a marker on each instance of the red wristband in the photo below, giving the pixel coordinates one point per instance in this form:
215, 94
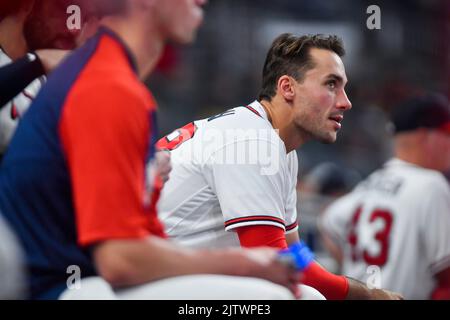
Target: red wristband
332, 286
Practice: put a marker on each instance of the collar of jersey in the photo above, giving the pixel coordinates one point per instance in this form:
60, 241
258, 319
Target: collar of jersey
257, 106
260, 109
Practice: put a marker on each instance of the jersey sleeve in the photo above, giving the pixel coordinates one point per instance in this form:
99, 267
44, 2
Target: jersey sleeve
291, 204
106, 137
16, 76
248, 193
436, 225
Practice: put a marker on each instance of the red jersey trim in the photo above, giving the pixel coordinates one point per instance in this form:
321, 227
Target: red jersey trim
252, 219
292, 226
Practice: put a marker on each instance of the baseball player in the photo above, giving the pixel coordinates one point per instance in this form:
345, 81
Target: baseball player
234, 174
393, 229
78, 182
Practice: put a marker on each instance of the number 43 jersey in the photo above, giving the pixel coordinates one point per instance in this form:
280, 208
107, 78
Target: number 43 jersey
394, 229
229, 171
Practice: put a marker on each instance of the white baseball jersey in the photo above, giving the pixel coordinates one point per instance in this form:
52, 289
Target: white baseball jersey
229, 171
394, 228
11, 113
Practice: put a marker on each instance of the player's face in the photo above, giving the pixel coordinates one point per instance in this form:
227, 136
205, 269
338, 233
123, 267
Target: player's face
180, 19
46, 27
320, 100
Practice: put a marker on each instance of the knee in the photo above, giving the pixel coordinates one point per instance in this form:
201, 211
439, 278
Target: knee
309, 293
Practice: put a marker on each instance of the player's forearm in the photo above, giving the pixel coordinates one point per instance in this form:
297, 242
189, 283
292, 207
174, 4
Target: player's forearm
333, 287
133, 262
359, 291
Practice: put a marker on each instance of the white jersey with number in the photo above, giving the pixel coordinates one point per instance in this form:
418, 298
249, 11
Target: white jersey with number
229, 171
11, 113
394, 228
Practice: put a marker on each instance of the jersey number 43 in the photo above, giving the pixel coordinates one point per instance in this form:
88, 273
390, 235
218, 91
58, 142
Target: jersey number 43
381, 236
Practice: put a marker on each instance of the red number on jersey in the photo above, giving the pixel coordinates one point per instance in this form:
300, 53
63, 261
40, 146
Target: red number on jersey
176, 138
382, 237
352, 236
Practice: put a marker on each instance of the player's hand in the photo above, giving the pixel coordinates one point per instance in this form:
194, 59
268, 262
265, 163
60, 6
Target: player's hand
359, 291
264, 263
381, 294
163, 165
51, 58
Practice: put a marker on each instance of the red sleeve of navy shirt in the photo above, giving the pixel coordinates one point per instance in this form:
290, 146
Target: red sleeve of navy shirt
106, 137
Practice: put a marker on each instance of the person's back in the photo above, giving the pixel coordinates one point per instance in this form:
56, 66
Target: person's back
393, 220
35, 179
12, 269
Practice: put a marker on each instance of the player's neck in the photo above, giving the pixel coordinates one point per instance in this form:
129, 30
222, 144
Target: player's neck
409, 148
145, 45
12, 39
280, 117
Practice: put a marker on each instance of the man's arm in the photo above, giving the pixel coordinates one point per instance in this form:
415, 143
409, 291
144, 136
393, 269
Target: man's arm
137, 261
330, 285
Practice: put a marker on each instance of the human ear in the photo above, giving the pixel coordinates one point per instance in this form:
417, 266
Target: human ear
285, 87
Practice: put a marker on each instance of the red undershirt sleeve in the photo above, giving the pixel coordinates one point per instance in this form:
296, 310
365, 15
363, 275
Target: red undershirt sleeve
332, 286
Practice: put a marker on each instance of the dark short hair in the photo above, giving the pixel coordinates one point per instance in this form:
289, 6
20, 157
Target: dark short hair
290, 55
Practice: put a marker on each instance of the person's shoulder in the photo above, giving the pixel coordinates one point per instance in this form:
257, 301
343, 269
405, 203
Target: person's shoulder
240, 118
435, 180
239, 125
112, 88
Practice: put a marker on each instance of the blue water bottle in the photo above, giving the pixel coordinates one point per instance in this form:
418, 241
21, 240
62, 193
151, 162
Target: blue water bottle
298, 255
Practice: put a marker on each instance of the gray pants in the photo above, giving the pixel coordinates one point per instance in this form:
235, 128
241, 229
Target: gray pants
12, 274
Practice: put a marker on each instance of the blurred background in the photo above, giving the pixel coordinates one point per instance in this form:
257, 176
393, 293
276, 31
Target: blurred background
408, 55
